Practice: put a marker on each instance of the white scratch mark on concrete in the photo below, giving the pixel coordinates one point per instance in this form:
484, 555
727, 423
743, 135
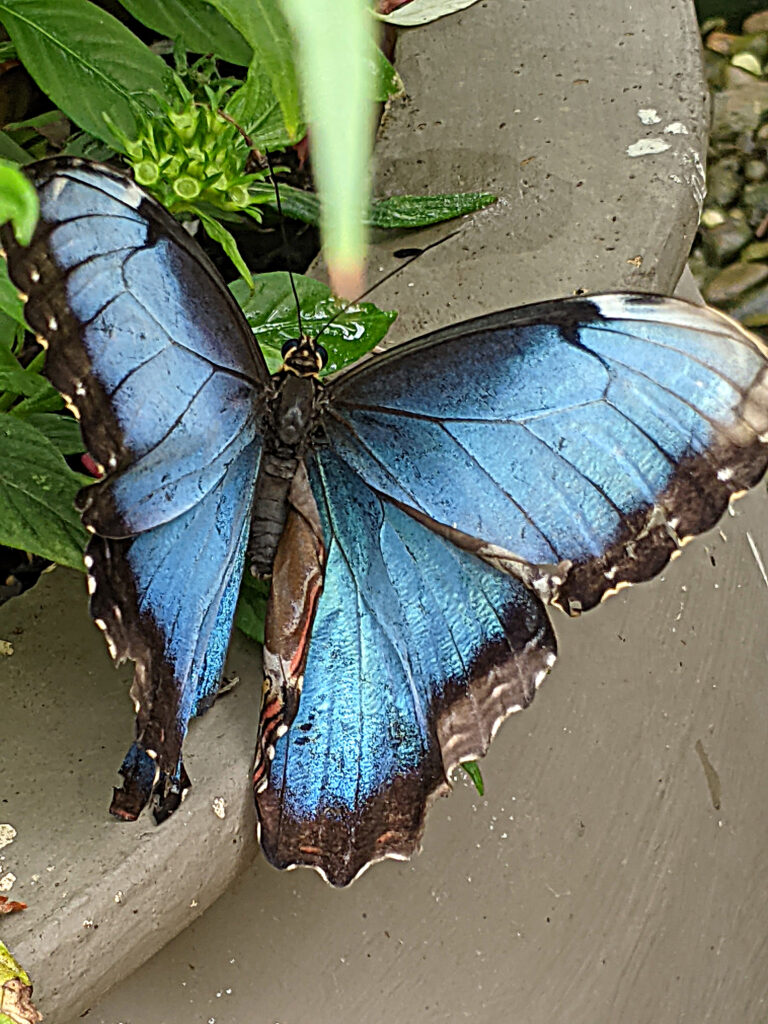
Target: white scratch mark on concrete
6, 882
6, 648
647, 147
695, 176
219, 807
7, 835
648, 115
676, 128
758, 559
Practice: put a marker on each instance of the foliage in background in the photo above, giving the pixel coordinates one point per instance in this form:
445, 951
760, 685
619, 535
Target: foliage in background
19, 205
734, 11
16, 1005
37, 487
730, 256
193, 134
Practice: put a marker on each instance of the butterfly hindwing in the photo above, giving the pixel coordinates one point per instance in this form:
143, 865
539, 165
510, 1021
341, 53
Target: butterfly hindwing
156, 358
593, 434
418, 651
166, 599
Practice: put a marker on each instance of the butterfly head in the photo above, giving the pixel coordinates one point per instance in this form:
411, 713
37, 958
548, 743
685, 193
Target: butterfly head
303, 356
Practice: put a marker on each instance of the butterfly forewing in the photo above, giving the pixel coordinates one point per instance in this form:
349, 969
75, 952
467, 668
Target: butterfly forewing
153, 353
598, 433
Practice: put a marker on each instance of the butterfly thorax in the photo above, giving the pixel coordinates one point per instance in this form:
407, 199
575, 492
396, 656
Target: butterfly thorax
289, 423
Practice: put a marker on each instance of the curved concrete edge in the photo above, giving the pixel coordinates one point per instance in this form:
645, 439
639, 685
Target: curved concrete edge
590, 124
580, 214
103, 895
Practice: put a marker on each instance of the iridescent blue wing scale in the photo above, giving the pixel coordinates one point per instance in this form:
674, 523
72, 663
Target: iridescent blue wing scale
166, 599
155, 357
574, 444
595, 435
419, 651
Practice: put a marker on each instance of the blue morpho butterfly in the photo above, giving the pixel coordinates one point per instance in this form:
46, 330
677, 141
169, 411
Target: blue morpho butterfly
416, 513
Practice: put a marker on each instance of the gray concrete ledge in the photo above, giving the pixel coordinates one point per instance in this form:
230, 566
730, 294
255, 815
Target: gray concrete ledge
102, 896
596, 882
539, 103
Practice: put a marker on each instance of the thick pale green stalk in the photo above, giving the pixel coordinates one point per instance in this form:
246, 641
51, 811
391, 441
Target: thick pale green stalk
334, 37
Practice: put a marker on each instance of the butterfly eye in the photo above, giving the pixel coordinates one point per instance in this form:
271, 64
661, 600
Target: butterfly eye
322, 354
289, 346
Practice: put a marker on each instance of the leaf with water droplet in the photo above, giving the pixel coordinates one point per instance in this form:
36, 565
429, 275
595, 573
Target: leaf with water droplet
271, 313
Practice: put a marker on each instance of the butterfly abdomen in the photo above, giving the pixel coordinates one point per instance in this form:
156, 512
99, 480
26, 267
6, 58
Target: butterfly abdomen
288, 425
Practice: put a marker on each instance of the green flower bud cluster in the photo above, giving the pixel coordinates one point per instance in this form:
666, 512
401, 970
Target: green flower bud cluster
191, 154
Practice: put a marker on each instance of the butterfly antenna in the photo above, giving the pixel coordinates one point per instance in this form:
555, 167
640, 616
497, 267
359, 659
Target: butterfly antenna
412, 254
285, 240
260, 159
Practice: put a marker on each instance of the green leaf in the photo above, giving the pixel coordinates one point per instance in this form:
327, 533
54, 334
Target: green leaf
418, 211
7, 343
10, 150
43, 401
387, 83
18, 203
271, 312
257, 111
296, 203
472, 768
200, 28
15, 991
87, 63
39, 395
63, 431
10, 303
11, 334
9, 968
37, 492
263, 26
395, 212
252, 607
219, 234
88, 148
335, 39
419, 12
22, 382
